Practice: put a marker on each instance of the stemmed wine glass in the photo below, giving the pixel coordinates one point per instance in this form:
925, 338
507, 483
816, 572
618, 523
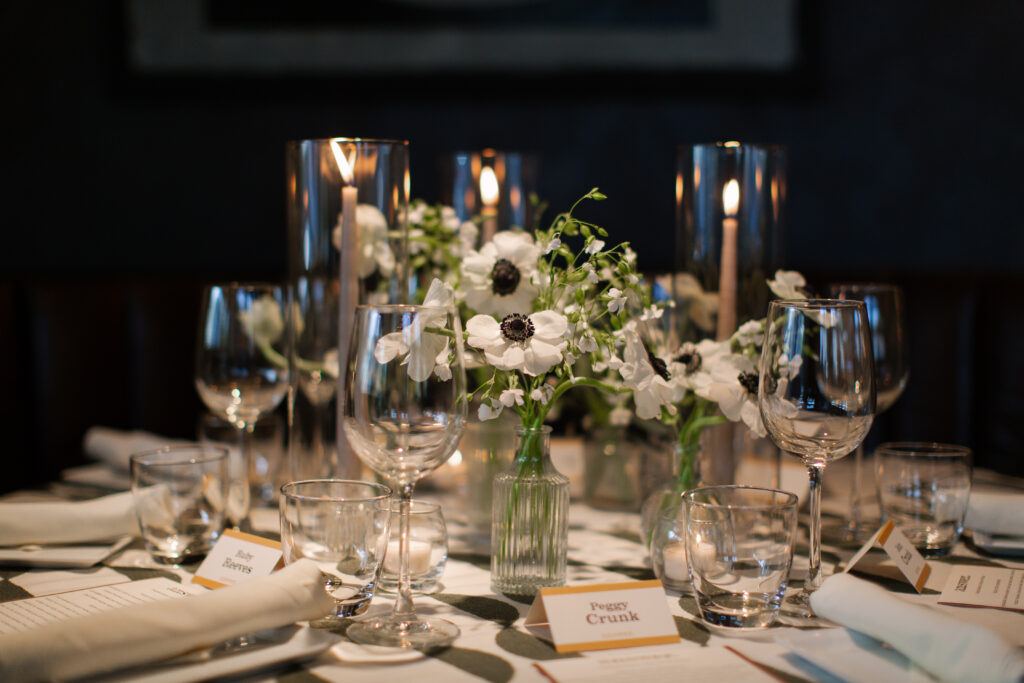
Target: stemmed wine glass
242, 366
816, 392
886, 317
404, 410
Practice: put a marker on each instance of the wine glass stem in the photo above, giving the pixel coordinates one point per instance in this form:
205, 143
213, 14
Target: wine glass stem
856, 491
403, 604
813, 581
246, 435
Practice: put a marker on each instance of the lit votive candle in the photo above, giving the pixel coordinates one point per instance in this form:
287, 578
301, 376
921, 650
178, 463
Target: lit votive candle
674, 558
419, 557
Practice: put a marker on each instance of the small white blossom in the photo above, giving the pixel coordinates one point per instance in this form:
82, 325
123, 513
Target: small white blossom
543, 394
750, 332
511, 397
788, 284
555, 243
617, 300
489, 410
594, 247
588, 344
633, 278
592, 277
652, 313
449, 220
263, 322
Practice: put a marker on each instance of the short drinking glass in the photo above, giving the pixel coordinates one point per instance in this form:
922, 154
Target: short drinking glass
668, 548
923, 488
739, 541
180, 499
428, 547
342, 526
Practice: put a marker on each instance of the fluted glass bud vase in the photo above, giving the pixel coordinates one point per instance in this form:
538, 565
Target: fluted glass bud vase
530, 519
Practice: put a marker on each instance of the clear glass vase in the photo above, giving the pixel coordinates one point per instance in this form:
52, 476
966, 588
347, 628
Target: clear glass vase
530, 525
488, 449
668, 495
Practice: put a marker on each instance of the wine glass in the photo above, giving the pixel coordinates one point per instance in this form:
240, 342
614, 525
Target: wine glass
242, 366
886, 317
816, 392
403, 412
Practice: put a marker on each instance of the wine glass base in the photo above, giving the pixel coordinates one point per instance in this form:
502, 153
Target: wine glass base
421, 634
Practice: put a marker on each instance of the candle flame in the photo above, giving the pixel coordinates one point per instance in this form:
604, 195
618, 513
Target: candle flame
488, 186
731, 198
345, 165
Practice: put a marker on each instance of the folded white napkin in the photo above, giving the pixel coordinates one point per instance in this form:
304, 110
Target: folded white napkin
996, 513
941, 645
99, 519
153, 631
114, 446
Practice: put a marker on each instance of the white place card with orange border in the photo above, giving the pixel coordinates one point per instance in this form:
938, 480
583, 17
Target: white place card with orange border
901, 551
236, 557
974, 586
603, 616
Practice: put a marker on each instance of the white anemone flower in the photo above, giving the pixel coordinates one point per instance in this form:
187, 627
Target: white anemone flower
788, 284
732, 384
647, 376
372, 242
750, 332
532, 344
424, 352
498, 279
263, 322
701, 306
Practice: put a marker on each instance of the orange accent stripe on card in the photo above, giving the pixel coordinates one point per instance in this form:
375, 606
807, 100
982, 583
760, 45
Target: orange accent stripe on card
202, 581
252, 538
612, 644
886, 530
599, 587
923, 577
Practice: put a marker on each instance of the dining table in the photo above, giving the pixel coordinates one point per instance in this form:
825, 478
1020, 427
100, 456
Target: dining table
604, 547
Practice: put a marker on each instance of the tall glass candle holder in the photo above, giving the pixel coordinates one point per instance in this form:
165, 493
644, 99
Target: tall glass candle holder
730, 212
492, 184
347, 206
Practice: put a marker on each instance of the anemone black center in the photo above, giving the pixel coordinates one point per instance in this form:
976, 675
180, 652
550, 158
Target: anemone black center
690, 357
504, 277
658, 365
516, 327
749, 381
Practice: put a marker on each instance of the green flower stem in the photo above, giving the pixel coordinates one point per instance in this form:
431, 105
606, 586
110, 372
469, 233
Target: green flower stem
271, 354
688, 435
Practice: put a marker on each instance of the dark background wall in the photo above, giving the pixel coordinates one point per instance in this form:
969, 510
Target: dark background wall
125, 191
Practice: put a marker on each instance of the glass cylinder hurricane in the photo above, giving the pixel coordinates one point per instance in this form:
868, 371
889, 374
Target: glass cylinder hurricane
332, 183
730, 212
530, 519
494, 185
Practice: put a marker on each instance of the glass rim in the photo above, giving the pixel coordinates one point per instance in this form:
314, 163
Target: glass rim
922, 449
361, 141
405, 308
246, 285
357, 482
208, 453
817, 303
791, 499
734, 144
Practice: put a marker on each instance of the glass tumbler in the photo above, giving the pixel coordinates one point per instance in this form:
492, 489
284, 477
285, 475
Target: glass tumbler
739, 543
180, 497
342, 526
668, 548
428, 548
923, 488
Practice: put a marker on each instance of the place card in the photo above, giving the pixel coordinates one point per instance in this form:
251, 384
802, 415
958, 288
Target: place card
603, 616
657, 663
237, 557
901, 551
973, 586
